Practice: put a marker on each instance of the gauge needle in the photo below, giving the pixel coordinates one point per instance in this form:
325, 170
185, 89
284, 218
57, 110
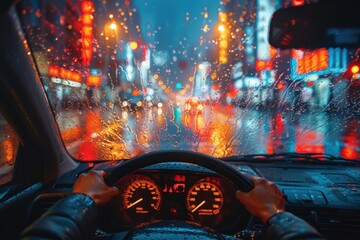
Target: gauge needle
134, 203
198, 206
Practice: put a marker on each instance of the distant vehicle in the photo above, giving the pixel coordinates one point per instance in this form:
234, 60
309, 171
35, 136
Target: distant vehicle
131, 100
194, 105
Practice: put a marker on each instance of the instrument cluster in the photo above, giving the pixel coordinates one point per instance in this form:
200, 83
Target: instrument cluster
149, 196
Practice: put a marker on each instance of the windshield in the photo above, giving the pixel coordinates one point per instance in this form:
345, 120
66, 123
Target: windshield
135, 76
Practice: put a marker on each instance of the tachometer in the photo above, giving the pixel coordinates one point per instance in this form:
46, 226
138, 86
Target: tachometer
204, 199
142, 196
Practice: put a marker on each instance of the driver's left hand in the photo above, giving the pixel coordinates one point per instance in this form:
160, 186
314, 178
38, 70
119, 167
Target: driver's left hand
93, 185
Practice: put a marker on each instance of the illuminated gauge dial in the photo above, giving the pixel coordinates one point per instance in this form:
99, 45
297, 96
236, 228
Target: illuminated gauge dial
204, 199
141, 197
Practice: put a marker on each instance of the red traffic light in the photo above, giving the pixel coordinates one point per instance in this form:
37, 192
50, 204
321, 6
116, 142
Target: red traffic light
353, 70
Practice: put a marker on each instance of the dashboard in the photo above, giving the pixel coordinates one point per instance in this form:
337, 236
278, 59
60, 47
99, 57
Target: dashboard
150, 195
327, 196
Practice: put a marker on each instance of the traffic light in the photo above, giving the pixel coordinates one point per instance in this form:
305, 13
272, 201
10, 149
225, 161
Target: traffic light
133, 45
353, 70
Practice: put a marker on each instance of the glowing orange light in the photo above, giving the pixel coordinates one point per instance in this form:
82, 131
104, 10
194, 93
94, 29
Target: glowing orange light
261, 65
355, 69
71, 134
223, 43
87, 31
221, 28
223, 38
135, 92
280, 86
8, 150
134, 45
87, 6
113, 26
87, 42
87, 19
55, 71
272, 52
215, 88
312, 61
93, 81
86, 56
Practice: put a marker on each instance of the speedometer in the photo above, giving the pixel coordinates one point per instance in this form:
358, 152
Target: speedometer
204, 199
140, 199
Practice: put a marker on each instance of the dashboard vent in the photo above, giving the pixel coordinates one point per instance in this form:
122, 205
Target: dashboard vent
332, 223
42, 203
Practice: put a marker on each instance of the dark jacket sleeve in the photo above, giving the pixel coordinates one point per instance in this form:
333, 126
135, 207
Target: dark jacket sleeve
73, 217
286, 226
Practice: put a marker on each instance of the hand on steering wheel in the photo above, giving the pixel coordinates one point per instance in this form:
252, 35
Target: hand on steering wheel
264, 200
93, 185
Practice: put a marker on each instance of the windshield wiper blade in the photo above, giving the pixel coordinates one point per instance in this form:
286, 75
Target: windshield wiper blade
290, 157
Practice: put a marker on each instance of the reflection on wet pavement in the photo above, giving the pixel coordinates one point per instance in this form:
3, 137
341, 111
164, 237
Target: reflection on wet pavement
216, 130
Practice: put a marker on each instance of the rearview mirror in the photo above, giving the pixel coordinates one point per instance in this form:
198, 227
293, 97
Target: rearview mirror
323, 24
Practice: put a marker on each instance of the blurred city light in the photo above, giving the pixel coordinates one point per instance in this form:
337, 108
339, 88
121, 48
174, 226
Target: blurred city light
113, 26
355, 69
133, 45
221, 28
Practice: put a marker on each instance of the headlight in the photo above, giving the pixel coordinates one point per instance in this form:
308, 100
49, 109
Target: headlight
125, 104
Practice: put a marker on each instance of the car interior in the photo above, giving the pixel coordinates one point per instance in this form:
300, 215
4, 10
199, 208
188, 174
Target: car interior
171, 191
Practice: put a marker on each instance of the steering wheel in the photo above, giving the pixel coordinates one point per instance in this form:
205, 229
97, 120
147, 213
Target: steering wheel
186, 229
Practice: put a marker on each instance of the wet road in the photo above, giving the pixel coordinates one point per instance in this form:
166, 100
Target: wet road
215, 129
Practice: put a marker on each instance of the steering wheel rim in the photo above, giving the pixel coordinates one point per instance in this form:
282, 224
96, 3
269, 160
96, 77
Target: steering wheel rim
237, 178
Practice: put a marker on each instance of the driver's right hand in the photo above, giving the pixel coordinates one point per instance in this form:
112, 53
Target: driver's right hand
264, 200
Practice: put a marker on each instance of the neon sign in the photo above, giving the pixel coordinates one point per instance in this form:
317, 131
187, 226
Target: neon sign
313, 61
87, 19
93, 81
320, 62
59, 72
